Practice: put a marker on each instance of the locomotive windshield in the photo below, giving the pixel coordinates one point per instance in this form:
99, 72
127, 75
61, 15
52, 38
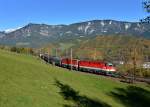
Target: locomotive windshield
109, 64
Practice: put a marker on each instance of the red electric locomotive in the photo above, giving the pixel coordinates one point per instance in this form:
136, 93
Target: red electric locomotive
97, 67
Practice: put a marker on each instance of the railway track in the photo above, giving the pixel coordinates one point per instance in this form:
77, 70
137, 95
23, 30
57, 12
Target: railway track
138, 79
117, 75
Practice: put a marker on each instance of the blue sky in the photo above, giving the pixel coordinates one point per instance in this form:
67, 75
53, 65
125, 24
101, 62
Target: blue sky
16, 13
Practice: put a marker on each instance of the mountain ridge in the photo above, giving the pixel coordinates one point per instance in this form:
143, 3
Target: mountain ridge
35, 35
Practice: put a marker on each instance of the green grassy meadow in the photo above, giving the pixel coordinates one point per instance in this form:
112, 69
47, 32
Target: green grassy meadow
27, 81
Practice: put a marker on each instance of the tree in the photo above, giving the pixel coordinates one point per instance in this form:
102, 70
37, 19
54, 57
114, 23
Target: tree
13, 49
146, 6
132, 56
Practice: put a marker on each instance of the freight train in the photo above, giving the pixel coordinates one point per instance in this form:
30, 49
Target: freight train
96, 67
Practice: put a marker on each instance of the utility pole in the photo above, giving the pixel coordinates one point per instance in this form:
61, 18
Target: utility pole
56, 52
51, 52
134, 65
48, 54
71, 59
95, 54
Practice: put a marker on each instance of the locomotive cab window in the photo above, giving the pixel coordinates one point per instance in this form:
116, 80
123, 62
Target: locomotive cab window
109, 64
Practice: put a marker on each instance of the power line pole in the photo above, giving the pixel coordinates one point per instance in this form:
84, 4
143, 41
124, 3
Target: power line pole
95, 54
71, 59
48, 54
56, 52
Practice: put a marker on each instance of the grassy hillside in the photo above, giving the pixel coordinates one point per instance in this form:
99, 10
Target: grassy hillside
26, 81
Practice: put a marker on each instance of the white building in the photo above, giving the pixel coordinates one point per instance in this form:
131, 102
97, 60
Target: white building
146, 65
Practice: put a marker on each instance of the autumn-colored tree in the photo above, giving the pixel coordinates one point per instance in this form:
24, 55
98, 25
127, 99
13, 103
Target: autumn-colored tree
133, 57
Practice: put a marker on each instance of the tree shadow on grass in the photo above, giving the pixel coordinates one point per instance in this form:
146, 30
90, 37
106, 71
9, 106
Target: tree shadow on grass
132, 96
70, 94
